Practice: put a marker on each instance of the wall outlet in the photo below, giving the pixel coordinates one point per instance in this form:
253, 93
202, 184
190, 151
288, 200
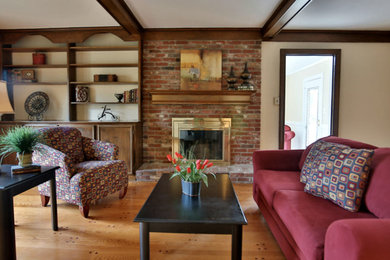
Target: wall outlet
276, 100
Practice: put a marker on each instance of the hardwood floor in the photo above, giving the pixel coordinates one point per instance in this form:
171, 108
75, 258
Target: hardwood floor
110, 232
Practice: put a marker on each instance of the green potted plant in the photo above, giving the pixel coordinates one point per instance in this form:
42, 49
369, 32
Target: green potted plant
191, 172
22, 141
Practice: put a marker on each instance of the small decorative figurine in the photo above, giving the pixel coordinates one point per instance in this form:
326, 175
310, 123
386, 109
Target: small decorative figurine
105, 112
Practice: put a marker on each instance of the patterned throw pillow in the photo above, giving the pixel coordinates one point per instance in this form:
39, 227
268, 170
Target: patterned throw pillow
340, 175
312, 162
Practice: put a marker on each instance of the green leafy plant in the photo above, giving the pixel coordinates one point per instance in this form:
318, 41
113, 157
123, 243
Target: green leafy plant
191, 170
22, 140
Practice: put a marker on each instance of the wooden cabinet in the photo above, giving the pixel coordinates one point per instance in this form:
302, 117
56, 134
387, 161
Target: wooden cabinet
127, 136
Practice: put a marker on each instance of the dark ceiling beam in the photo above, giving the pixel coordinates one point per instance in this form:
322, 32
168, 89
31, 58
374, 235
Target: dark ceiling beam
283, 14
119, 10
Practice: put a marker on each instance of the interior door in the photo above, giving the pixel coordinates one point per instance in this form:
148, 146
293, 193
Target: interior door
309, 95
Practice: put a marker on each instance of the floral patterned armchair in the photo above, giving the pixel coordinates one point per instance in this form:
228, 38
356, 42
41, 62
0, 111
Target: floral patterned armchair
89, 168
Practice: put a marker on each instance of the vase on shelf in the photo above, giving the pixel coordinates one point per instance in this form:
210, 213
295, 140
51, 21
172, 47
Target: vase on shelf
231, 79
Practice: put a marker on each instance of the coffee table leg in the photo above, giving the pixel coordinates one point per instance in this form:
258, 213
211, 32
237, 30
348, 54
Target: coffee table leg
54, 217
237, 242
7, 227
144, 240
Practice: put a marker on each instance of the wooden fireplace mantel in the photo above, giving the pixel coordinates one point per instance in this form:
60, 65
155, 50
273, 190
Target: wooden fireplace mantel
201, 97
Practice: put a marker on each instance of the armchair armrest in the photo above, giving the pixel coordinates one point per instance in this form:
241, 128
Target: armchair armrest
95, 150
363, 239
279, 160
47, 156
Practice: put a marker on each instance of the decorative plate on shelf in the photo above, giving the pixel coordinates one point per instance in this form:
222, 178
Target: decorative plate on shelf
36, 104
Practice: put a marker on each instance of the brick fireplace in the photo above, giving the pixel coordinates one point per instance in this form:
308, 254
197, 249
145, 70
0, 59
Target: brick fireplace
161, 71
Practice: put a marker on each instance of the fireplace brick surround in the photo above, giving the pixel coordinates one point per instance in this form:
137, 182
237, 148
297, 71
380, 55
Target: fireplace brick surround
161, 71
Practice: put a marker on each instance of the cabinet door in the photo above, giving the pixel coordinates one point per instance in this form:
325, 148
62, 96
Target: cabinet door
122, 136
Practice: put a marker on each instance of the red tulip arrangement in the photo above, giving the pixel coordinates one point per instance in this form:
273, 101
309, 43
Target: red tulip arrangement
189, 170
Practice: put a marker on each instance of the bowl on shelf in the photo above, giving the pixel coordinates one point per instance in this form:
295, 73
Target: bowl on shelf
119, 96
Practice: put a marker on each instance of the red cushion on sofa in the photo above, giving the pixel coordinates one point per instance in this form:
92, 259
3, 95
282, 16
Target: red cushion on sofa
271, 181
307, 218
337, 140
378, 191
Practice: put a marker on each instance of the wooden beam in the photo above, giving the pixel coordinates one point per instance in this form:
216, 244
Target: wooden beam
119, 10
331, 36
283, 14
65, 35
202, 34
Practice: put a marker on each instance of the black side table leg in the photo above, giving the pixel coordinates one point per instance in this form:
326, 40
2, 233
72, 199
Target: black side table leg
7, 228
53, 195
144, 240
237, 242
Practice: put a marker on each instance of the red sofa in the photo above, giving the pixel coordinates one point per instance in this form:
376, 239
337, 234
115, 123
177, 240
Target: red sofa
309, 227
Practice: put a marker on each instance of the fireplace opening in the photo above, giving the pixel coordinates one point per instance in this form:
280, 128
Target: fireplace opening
207, 138
202, 144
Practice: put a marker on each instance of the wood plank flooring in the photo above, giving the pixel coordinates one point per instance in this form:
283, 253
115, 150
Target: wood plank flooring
110, 232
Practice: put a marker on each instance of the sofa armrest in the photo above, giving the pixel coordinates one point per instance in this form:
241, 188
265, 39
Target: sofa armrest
278, 160
95, 150
47, 156
363, 239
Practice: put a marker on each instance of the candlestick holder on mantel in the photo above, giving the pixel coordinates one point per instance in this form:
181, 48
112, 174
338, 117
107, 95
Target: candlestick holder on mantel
231, 79
246, 76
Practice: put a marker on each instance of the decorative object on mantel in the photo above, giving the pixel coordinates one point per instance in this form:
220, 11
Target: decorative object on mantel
39, 58
82, 93
105, 112
191, 172
231, 79
246, 76
105, 77
119, 96
200, 69
22, 141
36, 104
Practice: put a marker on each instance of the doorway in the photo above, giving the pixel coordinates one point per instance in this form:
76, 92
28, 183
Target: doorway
309, 94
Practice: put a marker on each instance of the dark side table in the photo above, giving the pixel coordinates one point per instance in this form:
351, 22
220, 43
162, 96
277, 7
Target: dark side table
215, 211
11, 185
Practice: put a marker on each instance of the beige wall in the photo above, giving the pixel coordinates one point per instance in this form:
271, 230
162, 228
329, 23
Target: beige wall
364, 91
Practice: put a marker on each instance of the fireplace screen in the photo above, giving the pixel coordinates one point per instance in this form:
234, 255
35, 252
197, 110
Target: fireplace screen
202, 144
206, 138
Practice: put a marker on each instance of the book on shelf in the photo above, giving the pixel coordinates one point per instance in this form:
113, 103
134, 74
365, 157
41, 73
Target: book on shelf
16, 169
130, 96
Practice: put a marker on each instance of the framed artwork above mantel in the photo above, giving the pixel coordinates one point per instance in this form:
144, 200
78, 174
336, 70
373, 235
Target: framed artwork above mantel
201, 70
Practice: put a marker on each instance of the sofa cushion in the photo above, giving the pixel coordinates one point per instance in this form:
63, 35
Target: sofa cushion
307, 218
271, 181
337, 140
340, 174
378, 191
313, 158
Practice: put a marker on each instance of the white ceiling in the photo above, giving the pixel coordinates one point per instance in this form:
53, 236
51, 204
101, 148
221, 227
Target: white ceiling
26, 14
320, 14
343, 15
202, 13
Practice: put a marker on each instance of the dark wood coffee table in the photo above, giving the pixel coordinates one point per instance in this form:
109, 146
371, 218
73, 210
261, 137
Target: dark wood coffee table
11, 185
215, 211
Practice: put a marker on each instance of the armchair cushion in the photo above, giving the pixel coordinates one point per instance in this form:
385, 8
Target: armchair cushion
66, 140
99, 150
